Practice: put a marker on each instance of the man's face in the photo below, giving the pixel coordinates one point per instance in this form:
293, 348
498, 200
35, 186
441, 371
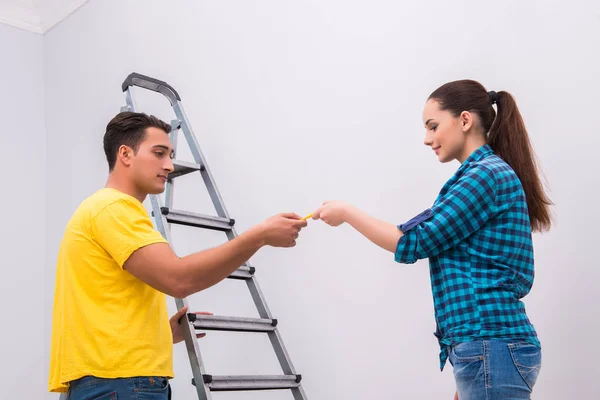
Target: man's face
152, 163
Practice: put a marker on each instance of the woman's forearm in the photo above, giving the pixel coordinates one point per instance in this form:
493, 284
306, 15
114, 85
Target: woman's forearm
383, 234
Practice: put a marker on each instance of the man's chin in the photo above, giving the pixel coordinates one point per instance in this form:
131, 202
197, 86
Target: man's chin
157, 190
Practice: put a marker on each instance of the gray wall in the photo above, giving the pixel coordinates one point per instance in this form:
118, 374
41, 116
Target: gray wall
296, 103
23, 205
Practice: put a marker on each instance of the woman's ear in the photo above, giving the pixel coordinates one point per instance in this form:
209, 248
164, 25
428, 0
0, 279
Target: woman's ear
466, 121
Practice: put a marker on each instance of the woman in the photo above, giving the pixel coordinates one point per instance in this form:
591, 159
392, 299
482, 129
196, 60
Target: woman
477, 236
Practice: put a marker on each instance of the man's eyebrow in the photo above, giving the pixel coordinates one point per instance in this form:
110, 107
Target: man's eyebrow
162, 146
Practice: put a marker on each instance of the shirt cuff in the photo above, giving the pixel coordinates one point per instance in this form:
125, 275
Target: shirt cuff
406, 249
410, 224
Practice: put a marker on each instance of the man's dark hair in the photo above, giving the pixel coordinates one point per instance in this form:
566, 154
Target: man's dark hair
129, 129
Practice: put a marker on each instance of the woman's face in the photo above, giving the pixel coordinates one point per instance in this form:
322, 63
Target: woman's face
444, 132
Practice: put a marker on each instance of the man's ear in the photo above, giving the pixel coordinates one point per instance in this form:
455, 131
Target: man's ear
466, 121
124, 155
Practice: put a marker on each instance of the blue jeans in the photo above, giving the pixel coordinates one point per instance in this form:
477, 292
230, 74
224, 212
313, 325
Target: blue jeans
137, 388
495, 369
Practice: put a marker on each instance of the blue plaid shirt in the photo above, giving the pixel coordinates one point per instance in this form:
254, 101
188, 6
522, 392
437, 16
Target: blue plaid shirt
477, 237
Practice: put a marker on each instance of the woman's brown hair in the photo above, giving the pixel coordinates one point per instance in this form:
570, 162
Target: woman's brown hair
507, 137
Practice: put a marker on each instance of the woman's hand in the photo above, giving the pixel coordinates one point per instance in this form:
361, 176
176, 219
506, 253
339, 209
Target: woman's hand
383, 234
333, 213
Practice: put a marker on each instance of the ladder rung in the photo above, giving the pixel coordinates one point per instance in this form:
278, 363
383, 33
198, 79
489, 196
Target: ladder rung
197, 220
243, 272
251, 382
184, 167
232, 324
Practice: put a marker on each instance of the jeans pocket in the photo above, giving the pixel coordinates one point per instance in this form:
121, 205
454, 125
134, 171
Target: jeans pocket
153, 384
528, 361
467, 352
108, 396
467, 360
86, 396
92, 388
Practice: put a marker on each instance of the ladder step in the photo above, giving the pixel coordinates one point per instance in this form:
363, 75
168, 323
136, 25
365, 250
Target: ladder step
197, 220
232, 324
183, 168
243, 272
251, 382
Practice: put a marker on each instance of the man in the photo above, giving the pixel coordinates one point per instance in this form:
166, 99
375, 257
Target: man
111, 334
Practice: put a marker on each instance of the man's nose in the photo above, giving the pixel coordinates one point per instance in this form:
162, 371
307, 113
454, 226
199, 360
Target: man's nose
168, 166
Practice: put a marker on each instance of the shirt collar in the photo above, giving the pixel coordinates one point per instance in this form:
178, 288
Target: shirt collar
479, 154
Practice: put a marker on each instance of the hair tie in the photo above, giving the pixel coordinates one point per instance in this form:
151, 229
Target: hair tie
493, 96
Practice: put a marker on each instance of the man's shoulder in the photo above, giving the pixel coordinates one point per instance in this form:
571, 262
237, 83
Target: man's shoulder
108, 198
103, 201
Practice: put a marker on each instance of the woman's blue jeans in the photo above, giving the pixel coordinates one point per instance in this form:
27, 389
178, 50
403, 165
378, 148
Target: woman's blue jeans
495, 369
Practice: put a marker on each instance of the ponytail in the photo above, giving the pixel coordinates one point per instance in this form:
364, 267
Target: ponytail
507, 137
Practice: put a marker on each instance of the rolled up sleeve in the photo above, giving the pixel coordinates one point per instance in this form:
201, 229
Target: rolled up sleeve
461, 211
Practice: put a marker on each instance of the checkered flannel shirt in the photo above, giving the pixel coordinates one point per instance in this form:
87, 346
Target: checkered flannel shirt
477, 237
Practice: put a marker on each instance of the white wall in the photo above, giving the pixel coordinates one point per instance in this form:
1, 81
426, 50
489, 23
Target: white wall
23, 205
295, 103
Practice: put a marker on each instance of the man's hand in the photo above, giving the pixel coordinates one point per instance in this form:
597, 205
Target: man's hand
456, 396
176, 327
333, 213
282, 230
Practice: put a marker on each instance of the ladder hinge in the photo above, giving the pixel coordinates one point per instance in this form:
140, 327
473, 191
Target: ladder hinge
164, 210
274, 322
231, 222
252, 270
192, 317
207, 378
298, 378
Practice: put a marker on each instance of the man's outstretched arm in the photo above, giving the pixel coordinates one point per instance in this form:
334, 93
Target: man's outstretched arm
161, 268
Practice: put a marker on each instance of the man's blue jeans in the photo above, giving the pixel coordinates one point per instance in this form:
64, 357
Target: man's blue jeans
495, 369
137, 388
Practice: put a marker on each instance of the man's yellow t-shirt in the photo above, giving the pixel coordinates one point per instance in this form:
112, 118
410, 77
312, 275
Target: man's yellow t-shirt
106, 322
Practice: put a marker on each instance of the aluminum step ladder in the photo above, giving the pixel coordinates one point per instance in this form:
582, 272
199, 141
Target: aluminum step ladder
164, 215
